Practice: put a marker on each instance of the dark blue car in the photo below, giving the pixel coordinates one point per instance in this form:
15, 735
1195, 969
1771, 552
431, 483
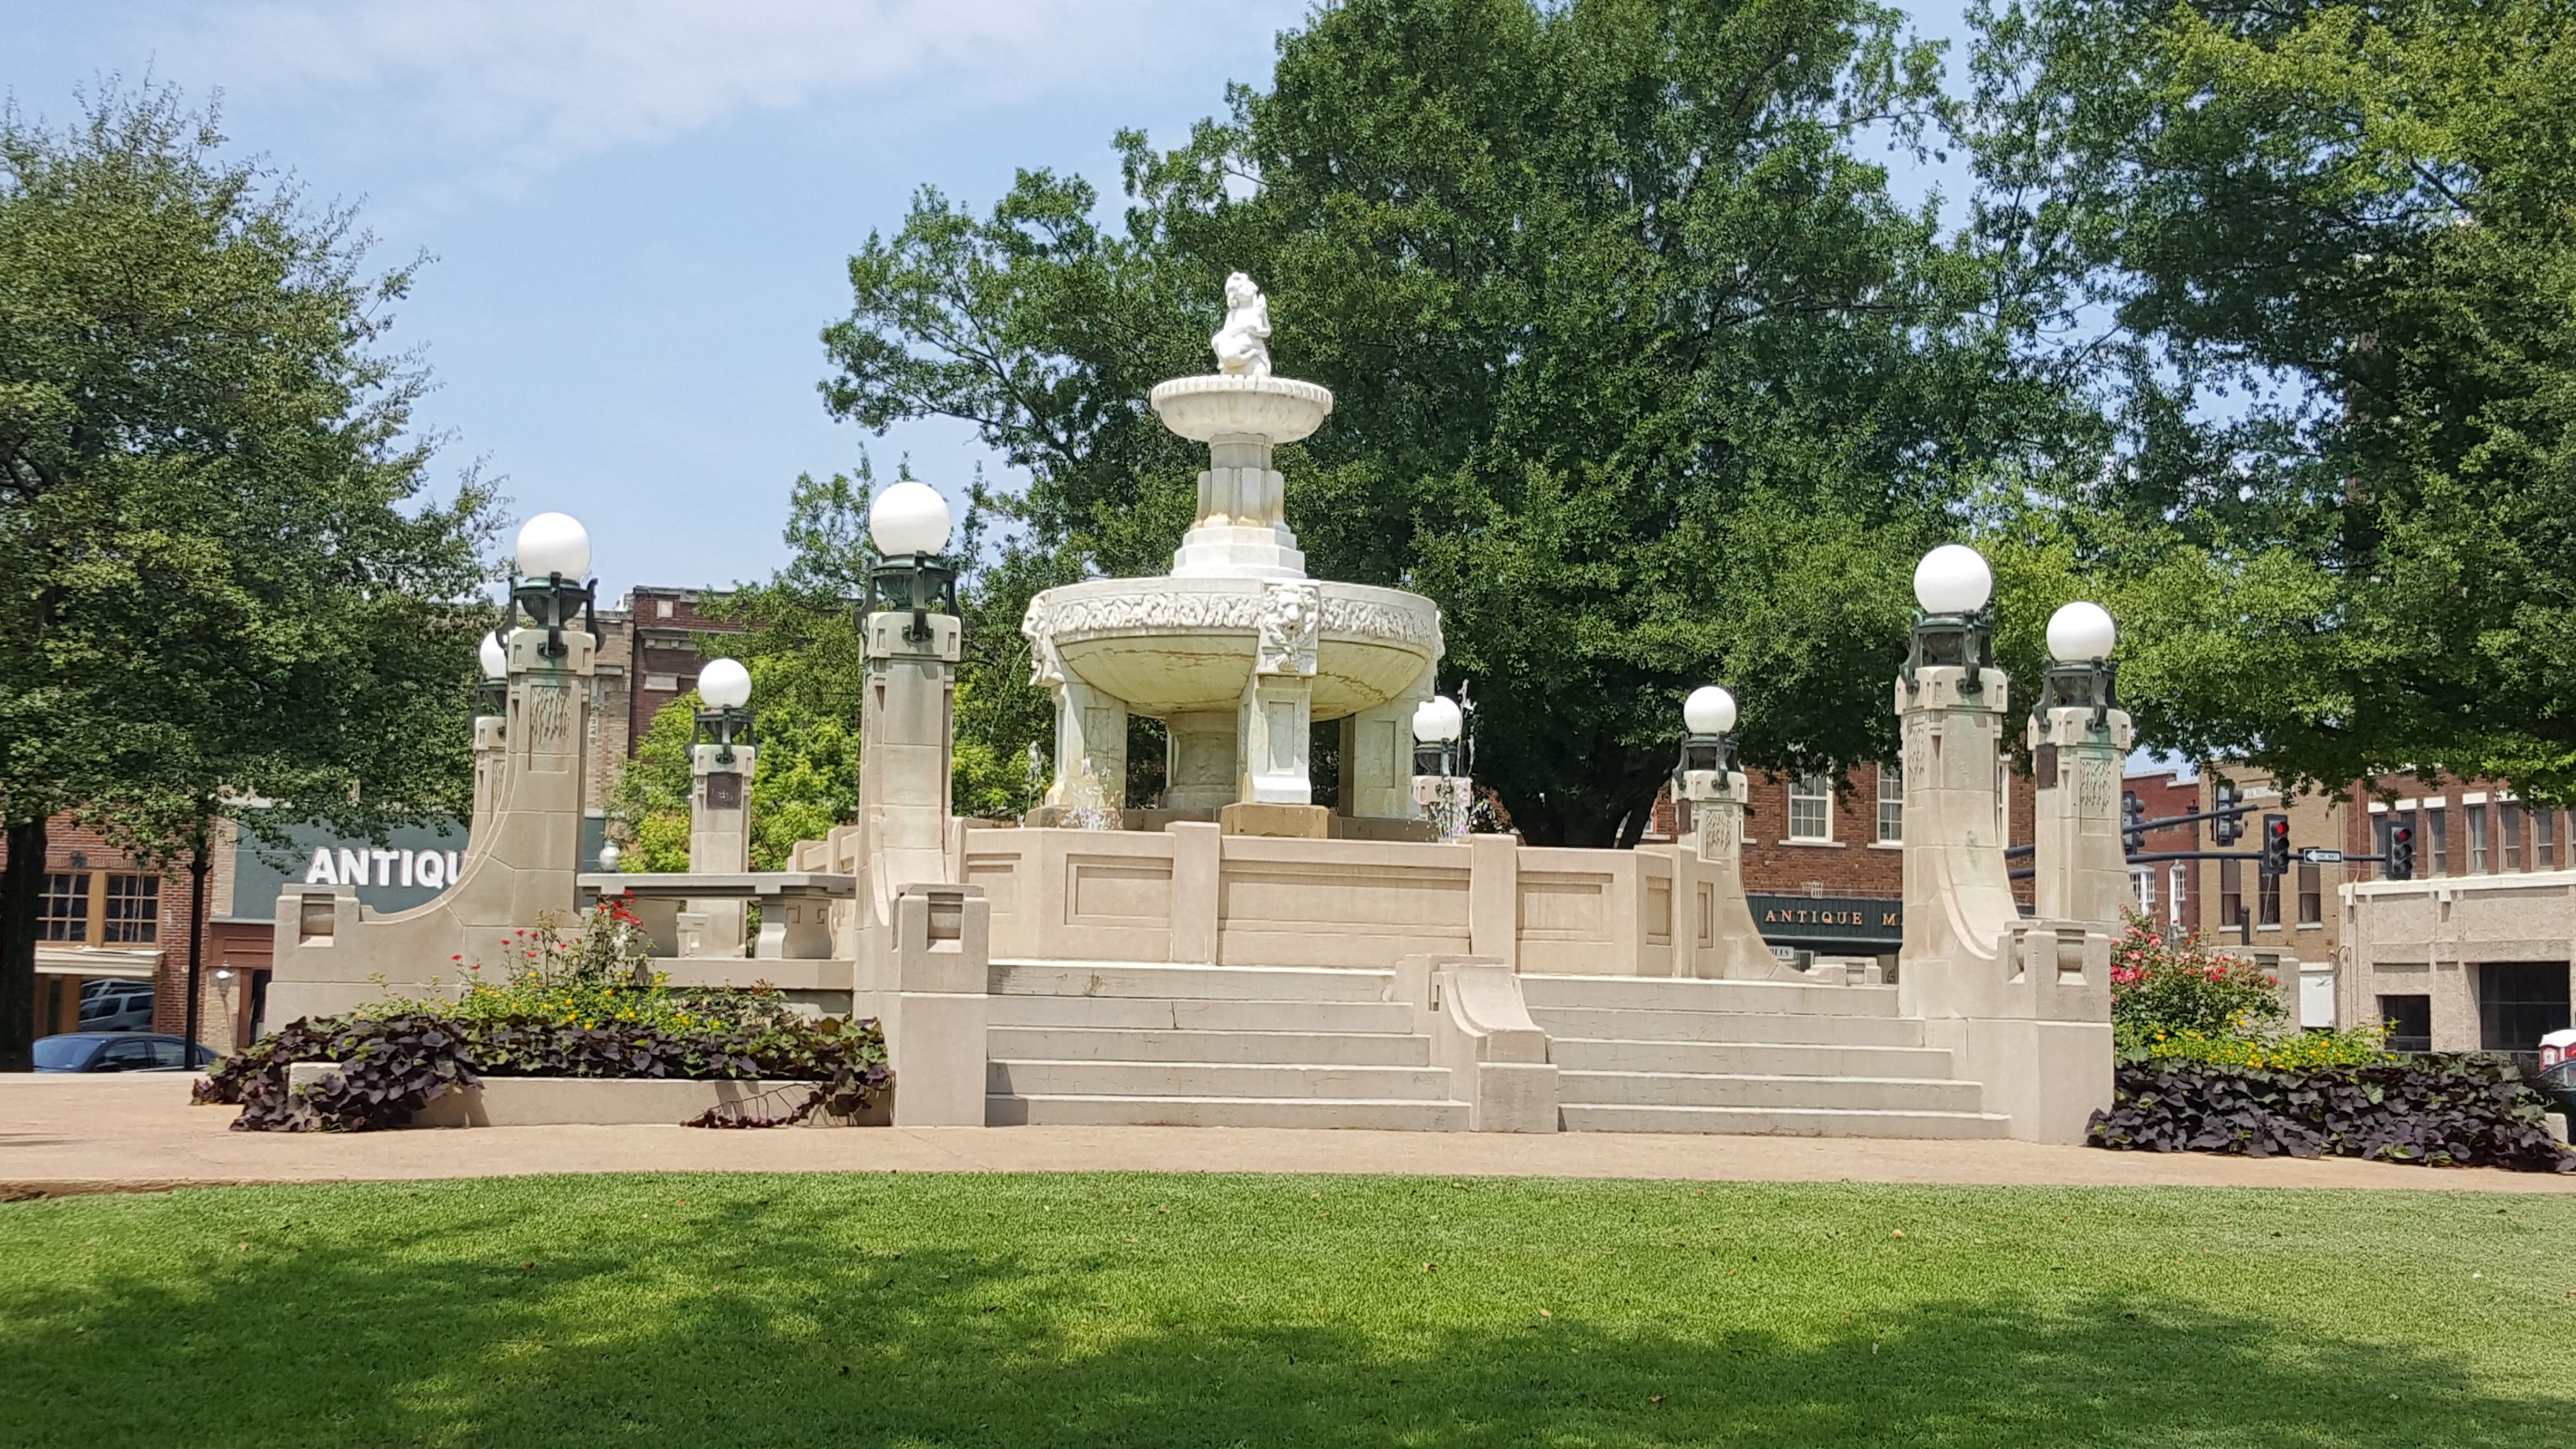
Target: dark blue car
118, 1051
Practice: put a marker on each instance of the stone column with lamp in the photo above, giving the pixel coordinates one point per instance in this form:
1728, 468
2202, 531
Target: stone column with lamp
721, 760
1441, 790
2079, 739
2022, 1004
1713, 925
922, 935
333, 954
491, 708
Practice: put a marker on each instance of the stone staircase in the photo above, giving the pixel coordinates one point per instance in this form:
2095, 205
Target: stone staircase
1652, 1054
1098, 1043
1085, 1042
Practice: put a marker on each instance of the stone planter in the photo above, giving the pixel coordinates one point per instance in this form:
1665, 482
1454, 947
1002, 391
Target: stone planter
607, 1101
611, 1102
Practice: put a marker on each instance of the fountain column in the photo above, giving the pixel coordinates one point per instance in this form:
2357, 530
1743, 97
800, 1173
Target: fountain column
1090, 736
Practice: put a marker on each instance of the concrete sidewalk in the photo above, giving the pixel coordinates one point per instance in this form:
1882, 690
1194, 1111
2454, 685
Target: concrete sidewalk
77, 1134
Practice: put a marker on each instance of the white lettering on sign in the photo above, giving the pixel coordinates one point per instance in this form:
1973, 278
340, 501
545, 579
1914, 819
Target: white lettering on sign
430, 869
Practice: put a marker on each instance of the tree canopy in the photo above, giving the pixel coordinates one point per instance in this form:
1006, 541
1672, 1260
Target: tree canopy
2317, 265
1640, 372
222, 577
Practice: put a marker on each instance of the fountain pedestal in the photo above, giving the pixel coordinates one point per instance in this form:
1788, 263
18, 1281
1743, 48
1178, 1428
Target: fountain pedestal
1235, 650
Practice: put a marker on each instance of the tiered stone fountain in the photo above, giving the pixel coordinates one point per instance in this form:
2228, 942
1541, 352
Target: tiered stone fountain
1236, 650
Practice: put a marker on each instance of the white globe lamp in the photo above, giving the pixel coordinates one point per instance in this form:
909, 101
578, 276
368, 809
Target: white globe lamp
725, 684
2081, 633
909, 518
1438, 721
494, 658
1953, 579
1710, 710
554, 543
609, 855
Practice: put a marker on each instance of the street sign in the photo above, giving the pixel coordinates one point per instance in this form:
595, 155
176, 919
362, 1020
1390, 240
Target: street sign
2314, 855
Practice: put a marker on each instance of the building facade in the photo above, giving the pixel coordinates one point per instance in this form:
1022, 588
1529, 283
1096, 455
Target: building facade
1823, 859
2478, 951
107, 922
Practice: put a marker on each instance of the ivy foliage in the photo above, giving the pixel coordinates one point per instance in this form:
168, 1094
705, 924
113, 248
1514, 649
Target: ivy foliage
389, 1066
2452, 1111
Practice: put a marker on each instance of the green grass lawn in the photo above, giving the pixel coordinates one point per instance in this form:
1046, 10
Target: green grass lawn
1129, 1309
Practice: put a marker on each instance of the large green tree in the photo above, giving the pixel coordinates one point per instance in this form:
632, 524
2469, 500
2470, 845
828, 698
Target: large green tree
2319, 263
221, 580
1640, 373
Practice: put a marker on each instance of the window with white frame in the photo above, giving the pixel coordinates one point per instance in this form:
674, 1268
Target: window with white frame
2143, 881
1811, 807
1891, 804
2178, 878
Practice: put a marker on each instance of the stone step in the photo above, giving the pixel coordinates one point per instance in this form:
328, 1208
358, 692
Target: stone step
1784, 1121
1202, 983
1201, 1014
1667, 993
1168, 1079
1144, 1044
1808, 1028
1709, 1089
1779, 1059
1368, 1113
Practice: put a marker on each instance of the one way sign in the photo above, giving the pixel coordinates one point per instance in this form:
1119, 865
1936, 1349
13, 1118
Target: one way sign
2314, 855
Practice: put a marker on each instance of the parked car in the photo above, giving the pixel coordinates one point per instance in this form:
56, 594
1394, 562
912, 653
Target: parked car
2557, 1079
127, 1010
118, 1051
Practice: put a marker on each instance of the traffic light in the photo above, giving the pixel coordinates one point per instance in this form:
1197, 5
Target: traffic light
2133, 814
2227, 828
2401, 853
2276, 845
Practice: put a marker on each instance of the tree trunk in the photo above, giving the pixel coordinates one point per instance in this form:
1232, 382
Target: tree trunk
22, 892
198, 864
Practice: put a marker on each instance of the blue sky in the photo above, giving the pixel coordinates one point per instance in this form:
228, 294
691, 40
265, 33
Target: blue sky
638, 214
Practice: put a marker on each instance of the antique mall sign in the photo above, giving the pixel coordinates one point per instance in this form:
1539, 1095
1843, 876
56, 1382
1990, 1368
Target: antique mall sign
1862, 925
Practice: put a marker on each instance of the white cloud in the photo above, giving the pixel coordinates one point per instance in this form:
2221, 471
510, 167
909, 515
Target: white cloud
528, 84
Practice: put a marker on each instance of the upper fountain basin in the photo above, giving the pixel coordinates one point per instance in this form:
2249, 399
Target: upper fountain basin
1175, 645
1227, 405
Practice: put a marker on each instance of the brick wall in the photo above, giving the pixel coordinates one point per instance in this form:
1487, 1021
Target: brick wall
663, 662
1853, 862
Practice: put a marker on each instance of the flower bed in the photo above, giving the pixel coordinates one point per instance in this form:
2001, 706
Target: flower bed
568, 1006
390, 1066
2440, 1111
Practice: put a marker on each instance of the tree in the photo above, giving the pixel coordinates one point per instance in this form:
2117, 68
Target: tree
2322, 262
224, 582
1640, 374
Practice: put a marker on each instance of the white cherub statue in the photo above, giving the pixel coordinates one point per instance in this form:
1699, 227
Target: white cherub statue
1241, 349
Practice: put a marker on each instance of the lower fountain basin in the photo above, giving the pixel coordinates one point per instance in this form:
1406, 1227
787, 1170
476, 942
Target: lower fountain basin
1169, 646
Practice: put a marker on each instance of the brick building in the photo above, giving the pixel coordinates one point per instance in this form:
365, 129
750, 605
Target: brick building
662, 659
104, 918
1821, 855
